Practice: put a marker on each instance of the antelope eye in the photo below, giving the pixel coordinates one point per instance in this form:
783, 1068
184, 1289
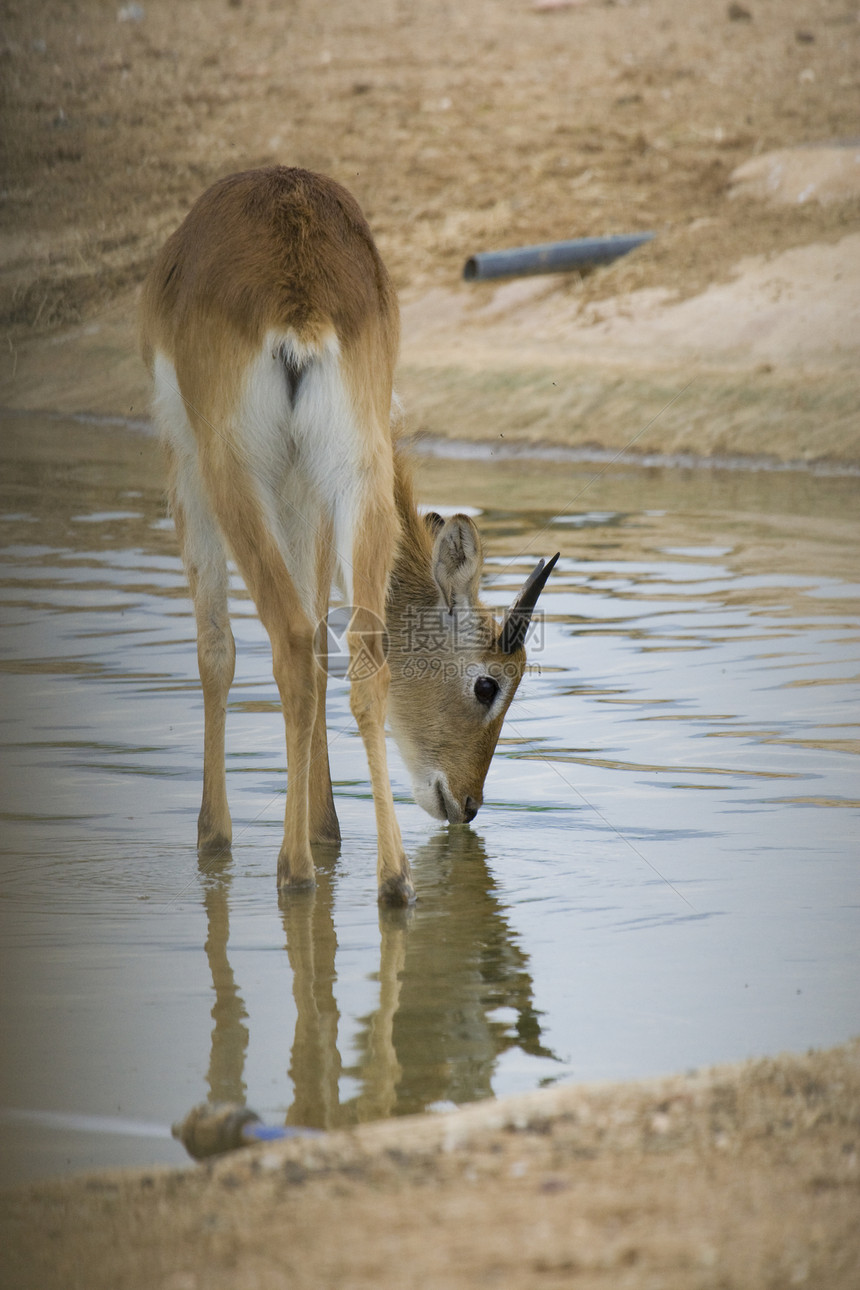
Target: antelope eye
486, 689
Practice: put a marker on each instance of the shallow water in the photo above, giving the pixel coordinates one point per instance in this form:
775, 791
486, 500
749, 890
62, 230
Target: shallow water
664, 875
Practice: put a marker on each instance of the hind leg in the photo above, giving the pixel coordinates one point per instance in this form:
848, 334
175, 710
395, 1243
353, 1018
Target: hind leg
205, 562
296, 672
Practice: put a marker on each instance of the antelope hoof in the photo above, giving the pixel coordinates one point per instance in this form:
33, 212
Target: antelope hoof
212, 847
288, 884
397, 893
295, 877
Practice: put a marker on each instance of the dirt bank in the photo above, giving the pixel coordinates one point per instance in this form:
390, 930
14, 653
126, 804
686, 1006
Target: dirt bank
741, 1177
460, 128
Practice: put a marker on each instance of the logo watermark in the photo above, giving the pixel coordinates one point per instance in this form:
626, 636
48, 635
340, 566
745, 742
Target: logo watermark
331, 643
435, 630
432, 643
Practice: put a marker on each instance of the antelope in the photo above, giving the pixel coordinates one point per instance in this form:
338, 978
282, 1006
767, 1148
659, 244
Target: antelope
271, 329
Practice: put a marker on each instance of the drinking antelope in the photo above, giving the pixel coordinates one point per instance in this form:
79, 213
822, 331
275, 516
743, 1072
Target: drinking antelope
271, 330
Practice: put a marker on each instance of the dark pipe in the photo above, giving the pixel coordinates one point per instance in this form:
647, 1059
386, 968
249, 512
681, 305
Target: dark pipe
551, 257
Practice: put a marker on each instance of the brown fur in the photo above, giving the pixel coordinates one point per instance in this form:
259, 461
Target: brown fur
280, 244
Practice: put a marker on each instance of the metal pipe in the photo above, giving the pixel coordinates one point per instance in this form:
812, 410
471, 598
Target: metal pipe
551, 257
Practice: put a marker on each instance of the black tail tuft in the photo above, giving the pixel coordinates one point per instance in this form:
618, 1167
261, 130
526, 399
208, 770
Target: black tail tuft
294, 371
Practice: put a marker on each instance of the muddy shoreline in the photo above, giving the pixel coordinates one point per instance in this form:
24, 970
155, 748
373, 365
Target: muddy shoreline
743, 1176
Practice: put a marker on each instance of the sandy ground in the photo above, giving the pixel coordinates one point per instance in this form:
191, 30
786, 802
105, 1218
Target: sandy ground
730, 132
741, 1177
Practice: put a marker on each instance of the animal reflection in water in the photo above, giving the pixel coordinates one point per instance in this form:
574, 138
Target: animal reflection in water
445, 968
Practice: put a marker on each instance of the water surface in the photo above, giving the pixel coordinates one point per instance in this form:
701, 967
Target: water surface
664, 875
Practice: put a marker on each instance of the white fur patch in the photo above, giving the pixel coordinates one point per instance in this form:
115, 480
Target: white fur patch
430, 790
204, 547
304, 455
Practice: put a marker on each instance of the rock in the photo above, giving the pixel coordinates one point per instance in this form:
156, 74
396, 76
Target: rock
792, 176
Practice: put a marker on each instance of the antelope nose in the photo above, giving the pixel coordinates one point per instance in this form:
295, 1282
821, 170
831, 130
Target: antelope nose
470, 809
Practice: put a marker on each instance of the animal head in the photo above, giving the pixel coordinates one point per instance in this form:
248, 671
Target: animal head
454, 669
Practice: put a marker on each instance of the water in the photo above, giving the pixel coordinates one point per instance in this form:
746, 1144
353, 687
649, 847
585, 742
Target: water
664, 875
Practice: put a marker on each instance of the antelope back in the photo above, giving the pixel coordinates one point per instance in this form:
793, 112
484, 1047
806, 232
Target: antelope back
278, 250
272, 329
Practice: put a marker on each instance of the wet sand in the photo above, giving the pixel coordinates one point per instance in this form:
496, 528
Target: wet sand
740, 1177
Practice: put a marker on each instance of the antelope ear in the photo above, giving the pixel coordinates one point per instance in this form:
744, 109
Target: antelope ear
434, 522
457, 561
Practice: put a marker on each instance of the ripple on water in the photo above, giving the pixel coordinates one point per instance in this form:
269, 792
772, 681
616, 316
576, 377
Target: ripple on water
663, 874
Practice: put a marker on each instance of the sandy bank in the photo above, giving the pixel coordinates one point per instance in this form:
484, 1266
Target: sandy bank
726, 131
743, 1176
765, 364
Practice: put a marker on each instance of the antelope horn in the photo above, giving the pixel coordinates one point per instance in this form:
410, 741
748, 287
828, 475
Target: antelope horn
518, 617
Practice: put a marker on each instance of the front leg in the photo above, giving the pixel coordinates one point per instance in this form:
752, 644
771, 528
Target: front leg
376, 534
323, 820
324, 825
368, 697
295, 673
